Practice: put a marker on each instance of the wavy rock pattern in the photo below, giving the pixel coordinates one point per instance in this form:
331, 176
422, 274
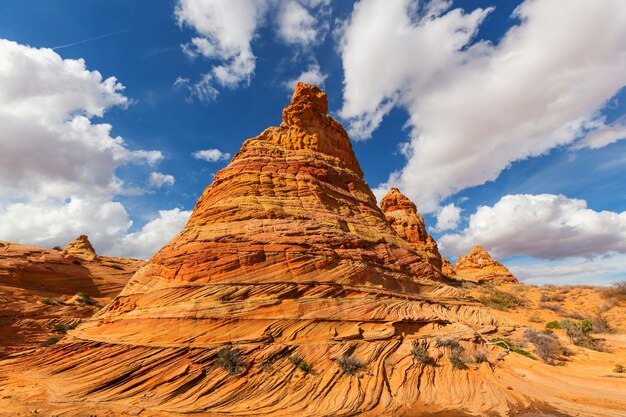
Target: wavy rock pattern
285, 256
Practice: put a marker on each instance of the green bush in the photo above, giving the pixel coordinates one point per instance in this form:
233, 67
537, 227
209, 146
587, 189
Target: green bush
553, 325
578, 334
513, 347
51, 341
46, 301
619, 369
301, 364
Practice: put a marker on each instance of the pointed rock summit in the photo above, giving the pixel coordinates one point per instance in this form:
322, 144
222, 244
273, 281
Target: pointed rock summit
409, 224
81, 248
478, 265
287, 293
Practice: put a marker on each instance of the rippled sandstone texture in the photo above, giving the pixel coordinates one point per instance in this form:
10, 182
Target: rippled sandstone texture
478, 265
409, 224
81, 248
288, 264
37, 284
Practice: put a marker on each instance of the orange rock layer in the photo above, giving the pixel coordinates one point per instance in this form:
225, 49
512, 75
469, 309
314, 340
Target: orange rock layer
409, 224
478, 265
286, 259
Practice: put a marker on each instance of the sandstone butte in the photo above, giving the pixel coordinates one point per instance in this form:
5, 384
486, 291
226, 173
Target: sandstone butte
288, 293
38, 288
402, 214
478, 265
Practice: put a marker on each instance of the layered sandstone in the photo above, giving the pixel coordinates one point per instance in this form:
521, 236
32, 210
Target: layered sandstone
81, 248
478, 265
286, 259
409, 224
37, 284
447, 268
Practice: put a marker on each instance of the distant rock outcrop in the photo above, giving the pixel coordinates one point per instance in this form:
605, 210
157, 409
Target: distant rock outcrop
81, 248
447, 268
36, 285
478, 265
409, 224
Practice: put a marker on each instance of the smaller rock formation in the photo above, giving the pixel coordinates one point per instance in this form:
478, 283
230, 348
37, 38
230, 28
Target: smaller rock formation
81, 248
409, 224
478, 265
447, 268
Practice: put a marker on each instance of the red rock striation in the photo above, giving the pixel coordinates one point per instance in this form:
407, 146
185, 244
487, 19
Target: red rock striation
409, 224
478, 265
285, 273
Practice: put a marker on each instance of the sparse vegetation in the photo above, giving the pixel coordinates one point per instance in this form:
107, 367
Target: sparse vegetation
63, 327
599, 324
501, 300
51, 341
481, 356
350, 365
551, 297
449, 343
547, 346
300, 363
456, 358
46, 301
617, 292
551, 307
420, 353
578, 334
619, 369
553, 325
513, 347
57, 248
231, 360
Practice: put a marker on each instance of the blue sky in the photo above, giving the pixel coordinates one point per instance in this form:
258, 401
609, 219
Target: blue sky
502, 120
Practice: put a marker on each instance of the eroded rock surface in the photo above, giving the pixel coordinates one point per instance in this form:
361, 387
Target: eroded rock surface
478, 265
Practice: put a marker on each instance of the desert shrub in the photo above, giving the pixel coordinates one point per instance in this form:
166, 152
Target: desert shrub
551, 297
456, 358
551, 307
350, 365
63, 327
57, 248
481, 356
231, 360
420, 353
51, 341
46, 301
553, 325
535, 319
300, 363
619, 369
501, 300
578, 334
449, 343
547, 345
599, 323
617, 291
513, 347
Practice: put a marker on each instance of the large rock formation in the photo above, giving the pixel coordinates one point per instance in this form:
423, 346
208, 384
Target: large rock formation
81, 248
287, 293
478, 265
36, 285
409, 224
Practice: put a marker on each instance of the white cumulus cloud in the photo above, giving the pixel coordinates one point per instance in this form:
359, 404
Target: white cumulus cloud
57, 167
211, 155
312, 75
158, 179
448, 218
545, 226
476, 107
